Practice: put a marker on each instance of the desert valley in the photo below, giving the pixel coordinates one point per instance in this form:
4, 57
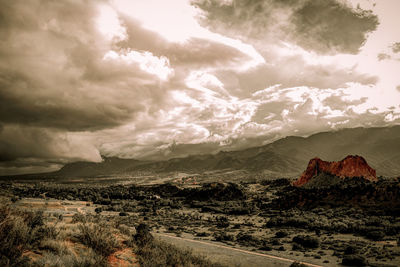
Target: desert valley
333, 213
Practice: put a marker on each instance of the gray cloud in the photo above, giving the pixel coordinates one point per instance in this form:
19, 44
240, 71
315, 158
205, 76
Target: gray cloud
396, 47
324, 26
18, 141
383, 56
291, 71
193, 53
46, 60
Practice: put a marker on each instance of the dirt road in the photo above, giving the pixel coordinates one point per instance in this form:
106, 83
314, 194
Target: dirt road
229, 255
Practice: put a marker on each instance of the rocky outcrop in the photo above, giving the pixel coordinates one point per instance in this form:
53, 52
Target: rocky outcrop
351, 166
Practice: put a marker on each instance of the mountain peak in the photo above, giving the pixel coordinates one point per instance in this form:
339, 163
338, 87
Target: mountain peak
349, 167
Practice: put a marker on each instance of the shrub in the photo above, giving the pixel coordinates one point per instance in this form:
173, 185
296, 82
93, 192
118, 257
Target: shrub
281, 234
98, 210
14, 234
20, 230
350, 250
79, 218
97, 237
375, 235
306, 241
158, 253
297, 264
143, 235
354, 260
223, 236
297, 247
68, 258
222, 222
247, 239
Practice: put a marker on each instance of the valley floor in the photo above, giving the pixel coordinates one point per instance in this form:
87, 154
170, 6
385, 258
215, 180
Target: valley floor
222, 223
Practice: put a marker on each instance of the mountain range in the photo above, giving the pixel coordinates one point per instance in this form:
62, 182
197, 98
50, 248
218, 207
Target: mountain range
289, 155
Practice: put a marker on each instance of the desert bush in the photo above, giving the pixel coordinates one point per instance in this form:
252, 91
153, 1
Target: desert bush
306, 241
54, 246
13, 239
297, 247
40, 233
222, 222
223, 236
98, 210
158, 253
265, 247
350, 250
68, 258
281, 234
143, 235
248, 240
124, 229
375, 235
98, 237
297, 264
354, 260
202, 234
20, 230
79, 218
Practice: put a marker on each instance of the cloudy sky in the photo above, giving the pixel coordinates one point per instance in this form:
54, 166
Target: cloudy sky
159, 79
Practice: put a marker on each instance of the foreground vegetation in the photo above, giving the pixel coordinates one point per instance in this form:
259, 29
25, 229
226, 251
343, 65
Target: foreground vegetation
35, 239
353, 223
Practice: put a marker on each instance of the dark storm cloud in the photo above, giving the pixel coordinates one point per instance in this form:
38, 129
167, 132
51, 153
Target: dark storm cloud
72, 112
324, 26
18, 141
53, 73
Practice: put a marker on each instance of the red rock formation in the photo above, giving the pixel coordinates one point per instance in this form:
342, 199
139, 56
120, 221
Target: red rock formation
351, 166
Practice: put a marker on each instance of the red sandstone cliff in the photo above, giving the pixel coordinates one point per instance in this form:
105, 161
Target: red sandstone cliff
351, 166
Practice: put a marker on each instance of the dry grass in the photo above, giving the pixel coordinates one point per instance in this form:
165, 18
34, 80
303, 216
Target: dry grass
98, 237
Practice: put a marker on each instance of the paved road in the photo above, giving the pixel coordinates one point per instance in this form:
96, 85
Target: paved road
229, 255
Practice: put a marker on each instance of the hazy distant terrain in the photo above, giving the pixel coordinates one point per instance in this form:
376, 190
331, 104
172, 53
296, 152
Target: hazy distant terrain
287, 156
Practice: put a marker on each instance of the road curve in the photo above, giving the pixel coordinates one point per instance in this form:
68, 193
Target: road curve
272, 257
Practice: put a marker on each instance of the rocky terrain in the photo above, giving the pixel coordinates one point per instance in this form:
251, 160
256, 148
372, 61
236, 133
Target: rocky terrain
349, 167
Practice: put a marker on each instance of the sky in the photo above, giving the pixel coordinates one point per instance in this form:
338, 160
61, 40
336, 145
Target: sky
159, 79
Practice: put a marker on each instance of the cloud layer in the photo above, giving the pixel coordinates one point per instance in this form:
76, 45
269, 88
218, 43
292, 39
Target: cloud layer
79, 79
324, 26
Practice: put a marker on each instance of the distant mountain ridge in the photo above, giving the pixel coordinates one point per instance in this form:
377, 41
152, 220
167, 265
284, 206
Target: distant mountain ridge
289, 155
